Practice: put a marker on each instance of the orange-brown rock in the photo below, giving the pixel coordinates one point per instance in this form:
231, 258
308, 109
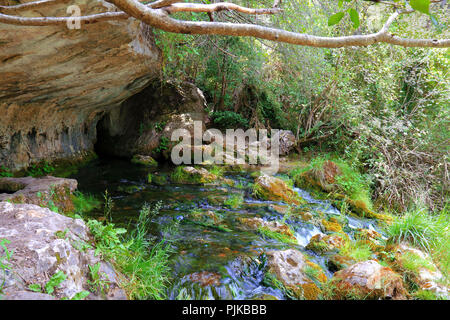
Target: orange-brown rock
321, 243
275, 189
289, 266
367, 280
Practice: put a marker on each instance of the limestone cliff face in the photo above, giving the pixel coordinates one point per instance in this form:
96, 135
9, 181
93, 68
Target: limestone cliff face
56, 83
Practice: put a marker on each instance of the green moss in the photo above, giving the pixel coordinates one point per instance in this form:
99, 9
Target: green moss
159, 180
179, 175
349, 182
266, 232
144, 161
426, 295
129, 189
235, 201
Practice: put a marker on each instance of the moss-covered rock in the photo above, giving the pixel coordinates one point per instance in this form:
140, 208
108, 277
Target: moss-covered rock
275, 189
367, 280
144, 160
338, 262
271, 226
331, 225
321, 243
418, 268
130, 189
290, 268
191, 175
158, 179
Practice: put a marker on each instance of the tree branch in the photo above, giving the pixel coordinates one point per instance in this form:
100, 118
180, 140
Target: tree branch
30, 5
217, 7
159, 19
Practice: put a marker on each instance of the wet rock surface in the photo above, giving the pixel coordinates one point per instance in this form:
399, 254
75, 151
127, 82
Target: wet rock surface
39, 191
368, 280
275, 189
289, 267
44, 243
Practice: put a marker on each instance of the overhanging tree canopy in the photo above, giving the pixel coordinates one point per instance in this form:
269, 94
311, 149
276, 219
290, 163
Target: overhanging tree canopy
158, 15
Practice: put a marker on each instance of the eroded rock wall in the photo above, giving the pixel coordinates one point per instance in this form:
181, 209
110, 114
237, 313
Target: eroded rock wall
56, 83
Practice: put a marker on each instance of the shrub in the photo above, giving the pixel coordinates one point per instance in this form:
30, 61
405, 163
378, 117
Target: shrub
229, 119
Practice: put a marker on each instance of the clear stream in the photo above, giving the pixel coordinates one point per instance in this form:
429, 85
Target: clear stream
229, 264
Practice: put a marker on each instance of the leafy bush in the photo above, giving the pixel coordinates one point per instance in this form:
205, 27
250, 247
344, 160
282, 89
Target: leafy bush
144, 263
229, 119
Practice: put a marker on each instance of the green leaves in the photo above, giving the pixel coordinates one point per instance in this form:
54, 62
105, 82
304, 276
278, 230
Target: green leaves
55, 281
421, 5
335, 18
354, 16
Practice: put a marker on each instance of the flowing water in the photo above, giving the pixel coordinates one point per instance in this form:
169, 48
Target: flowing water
208, 262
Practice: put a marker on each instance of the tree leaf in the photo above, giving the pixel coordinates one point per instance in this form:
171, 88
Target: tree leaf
421, 5
335, 18
354, 16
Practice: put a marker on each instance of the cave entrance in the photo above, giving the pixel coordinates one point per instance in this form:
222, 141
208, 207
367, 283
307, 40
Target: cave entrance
102, 145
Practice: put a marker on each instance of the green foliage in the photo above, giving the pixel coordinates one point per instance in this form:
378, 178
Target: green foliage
413, 262
143, 262
216, 170
43, 168
335, 18
270, 280
350, 182
266, 232
163, 144
358, 250
96, 281
229, 119
421, 229
5, 258
54, 282
5, 172
84, 203
427, 231
108, 205
421, 5
234, 201
426, 295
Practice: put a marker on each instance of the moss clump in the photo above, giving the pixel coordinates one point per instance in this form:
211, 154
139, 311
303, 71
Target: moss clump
332, 225
285, 237
235, 201
275, 189
334, 176
144, 161
158, 179
191, 175
129, 189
